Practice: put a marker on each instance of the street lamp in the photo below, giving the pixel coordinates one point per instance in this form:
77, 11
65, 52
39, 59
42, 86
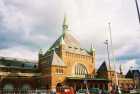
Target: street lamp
111, 42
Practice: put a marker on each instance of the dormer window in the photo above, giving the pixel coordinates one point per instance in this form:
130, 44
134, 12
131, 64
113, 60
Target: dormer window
35, 66
23, 65
8, 64
70, 47
76, 48
81, 49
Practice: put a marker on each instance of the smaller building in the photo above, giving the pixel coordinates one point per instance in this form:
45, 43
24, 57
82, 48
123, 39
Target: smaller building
119, 79
134, 74
18, 73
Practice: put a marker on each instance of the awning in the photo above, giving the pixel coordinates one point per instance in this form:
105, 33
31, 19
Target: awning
88, 79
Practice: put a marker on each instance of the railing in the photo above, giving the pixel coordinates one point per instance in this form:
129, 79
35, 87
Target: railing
18, 91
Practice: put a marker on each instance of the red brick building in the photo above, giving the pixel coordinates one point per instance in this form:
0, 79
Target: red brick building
65, 63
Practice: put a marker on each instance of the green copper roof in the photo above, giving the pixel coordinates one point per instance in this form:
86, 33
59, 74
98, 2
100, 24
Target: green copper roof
70, 42
16, 63
94, 79
99, 79
68, 39
105, 67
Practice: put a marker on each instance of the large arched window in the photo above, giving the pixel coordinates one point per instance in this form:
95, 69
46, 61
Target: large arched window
80, 69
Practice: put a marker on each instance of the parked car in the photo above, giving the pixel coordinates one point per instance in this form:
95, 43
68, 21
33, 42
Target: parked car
135, 91
94, 90
88, 91
81, 91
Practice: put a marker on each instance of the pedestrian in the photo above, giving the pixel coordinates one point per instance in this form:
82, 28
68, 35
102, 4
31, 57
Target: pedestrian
71, 90
113, 92
102, 92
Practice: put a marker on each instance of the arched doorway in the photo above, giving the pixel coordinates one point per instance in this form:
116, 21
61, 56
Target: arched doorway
26, 87
8, 88
58, 87
80, 71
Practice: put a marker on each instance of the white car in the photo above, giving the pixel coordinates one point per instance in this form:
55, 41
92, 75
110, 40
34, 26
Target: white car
135, 91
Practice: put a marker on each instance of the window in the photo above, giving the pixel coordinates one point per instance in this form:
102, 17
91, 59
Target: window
35, 66
80, 69
112, 74
70, 47
59, 70
96, 86
75, 48
22, 65
26, 87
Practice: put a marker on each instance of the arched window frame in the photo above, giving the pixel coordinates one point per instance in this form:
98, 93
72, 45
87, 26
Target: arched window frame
80, 69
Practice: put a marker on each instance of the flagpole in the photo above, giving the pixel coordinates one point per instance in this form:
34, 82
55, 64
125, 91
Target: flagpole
137, 6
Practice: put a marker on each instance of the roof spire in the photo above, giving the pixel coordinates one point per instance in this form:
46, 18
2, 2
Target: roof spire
40, 51
54, 51
121, 68
62, 42
92, 49
65, 23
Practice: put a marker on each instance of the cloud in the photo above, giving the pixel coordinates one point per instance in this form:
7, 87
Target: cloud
127, 65
19, 52
26, 24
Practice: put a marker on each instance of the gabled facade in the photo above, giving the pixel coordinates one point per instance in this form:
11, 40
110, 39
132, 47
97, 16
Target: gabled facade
105, 71
134, 74
69, 57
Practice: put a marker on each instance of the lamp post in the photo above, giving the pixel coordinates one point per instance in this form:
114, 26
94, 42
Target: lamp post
116, 76
112, 51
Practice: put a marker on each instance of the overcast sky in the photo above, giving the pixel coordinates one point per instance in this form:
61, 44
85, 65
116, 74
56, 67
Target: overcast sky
28, 25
